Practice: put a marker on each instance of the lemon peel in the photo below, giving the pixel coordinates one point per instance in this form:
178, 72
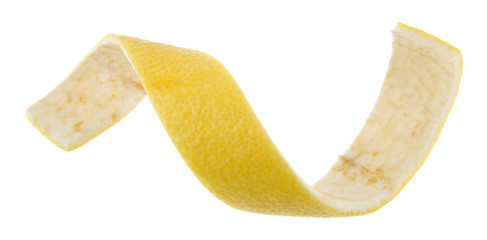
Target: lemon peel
220, 138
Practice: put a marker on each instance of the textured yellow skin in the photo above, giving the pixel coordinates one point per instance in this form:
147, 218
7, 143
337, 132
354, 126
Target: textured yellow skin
220, 138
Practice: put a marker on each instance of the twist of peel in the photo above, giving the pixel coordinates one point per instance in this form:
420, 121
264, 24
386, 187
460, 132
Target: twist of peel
220, 138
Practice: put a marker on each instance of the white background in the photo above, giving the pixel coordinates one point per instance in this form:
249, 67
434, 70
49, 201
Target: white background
311, 71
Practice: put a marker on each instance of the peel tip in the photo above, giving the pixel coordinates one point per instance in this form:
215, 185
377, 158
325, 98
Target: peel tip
401, 27
30, 119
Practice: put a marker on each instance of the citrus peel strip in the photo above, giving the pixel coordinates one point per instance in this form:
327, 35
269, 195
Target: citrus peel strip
220, 138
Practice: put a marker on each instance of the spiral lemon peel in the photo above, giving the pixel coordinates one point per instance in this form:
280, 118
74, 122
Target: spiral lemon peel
220, 138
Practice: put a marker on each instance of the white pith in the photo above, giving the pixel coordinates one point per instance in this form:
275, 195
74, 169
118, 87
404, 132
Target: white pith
416, 96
